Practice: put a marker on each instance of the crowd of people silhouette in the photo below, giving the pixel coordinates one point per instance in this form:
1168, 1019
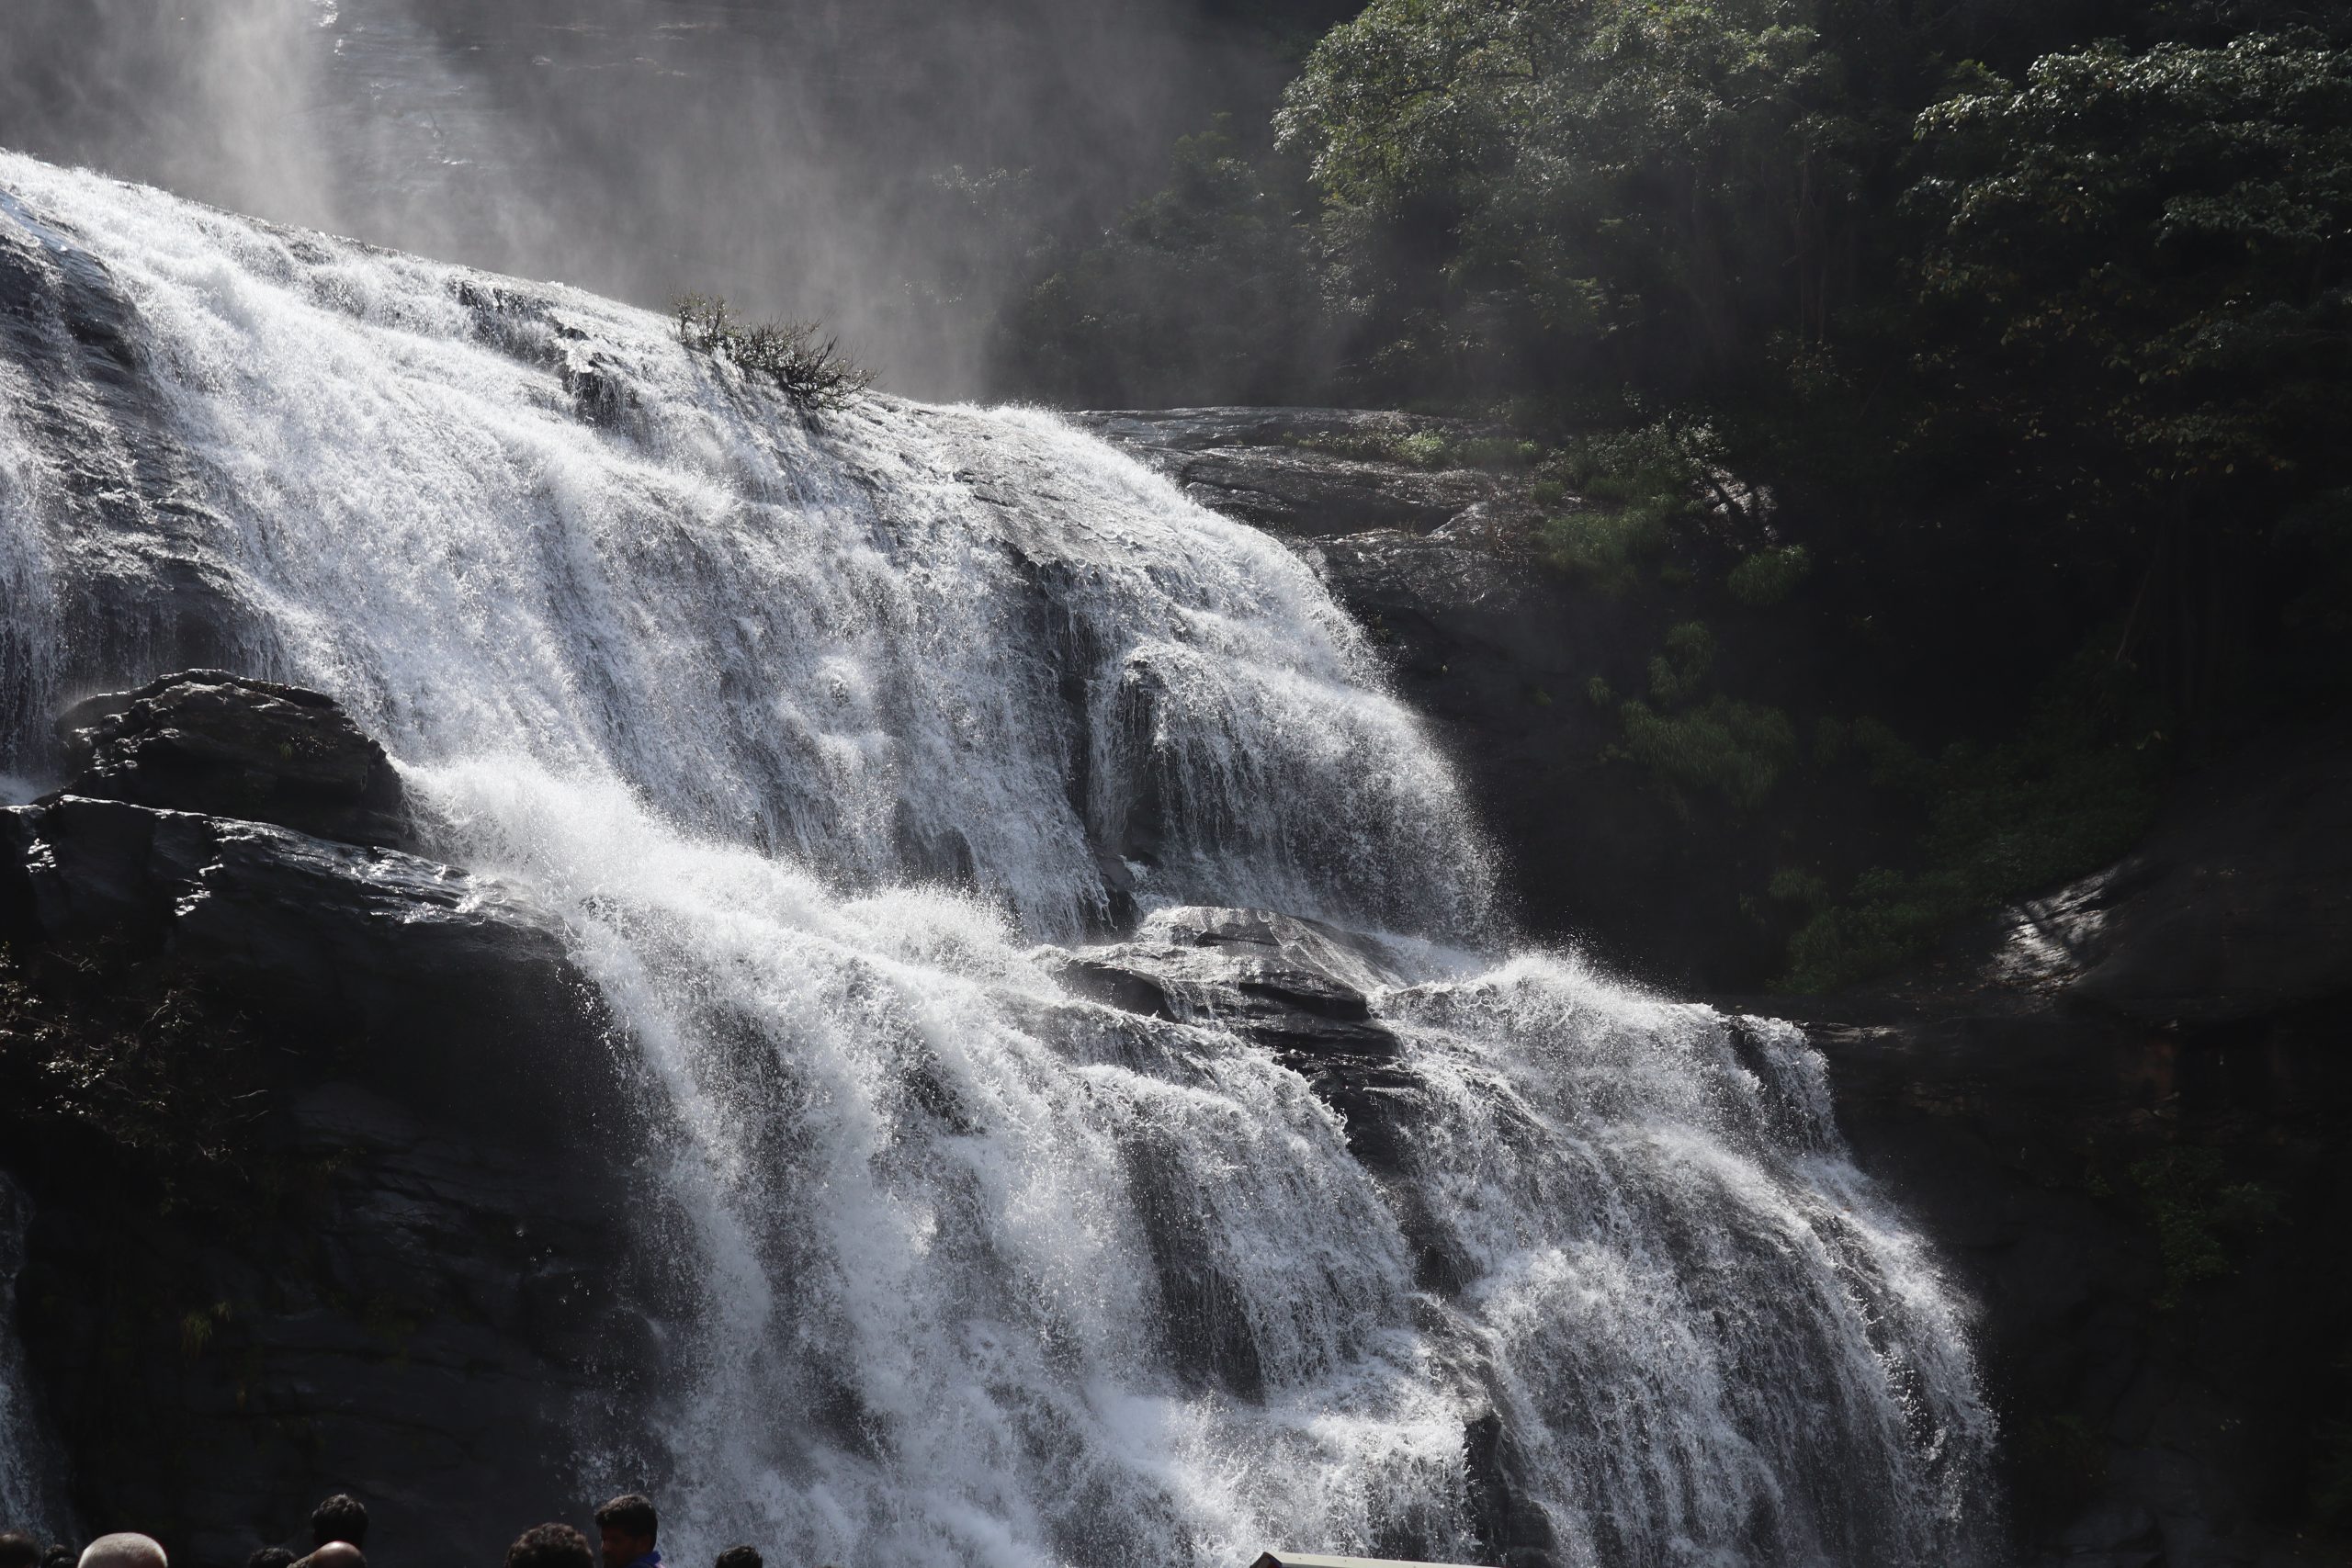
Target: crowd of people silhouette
628, 1528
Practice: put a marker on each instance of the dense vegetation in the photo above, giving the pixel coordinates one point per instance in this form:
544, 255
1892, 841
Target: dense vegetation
2024, 327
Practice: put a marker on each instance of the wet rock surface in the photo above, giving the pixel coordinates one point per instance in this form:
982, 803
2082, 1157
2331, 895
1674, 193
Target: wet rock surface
2118, 1110
224, 745
1298, 988
325, 1147
1303, 990
1306, 472
1495, 651
141, 591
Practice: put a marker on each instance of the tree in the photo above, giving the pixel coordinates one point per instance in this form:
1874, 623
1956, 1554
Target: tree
1603, 191
2135, 295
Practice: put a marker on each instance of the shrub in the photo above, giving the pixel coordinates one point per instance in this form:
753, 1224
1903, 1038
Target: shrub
1737, 750
1609, 549
2200, 1217
1769, 576
2067, 794
813, 373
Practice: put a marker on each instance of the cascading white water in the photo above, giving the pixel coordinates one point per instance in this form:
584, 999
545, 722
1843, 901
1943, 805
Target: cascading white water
811, 735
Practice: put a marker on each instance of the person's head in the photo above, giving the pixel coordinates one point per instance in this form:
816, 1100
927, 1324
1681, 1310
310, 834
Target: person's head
18, 1551
270, 1557
340, 1517
628, 1527
59, 1555
334, 1554
127, 1550
739, 1557
550, 1546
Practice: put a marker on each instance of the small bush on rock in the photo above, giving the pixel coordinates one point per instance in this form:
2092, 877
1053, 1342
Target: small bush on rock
810, 371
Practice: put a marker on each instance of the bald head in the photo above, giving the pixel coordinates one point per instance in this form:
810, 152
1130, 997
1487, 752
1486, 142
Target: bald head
124, 1551
334, 1554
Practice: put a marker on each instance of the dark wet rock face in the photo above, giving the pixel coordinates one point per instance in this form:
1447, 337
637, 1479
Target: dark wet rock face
1301, 989
224, 745
141, 590
328, 1152
2119, 1111
1296, 986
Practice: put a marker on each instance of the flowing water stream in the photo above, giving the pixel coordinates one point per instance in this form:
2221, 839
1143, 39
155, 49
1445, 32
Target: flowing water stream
826, 742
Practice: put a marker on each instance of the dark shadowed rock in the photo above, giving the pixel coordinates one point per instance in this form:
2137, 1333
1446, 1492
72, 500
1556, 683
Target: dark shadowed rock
2119, 1111
1300, 471
139, 585
2238, 906
1301, 990
320, 1143
224, 745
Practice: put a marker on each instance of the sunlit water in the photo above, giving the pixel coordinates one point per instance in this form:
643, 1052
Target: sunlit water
815, 737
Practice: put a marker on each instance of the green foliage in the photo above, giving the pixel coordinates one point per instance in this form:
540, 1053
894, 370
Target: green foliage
2072, 790
1768, 576
1611, 550
2200, 1216
1737, 750
1535, 181
1679, 674
810, 371
1643, 487
1694, 743
2138, 265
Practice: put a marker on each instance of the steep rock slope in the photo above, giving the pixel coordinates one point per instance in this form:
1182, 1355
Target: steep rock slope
2120, 1109
325, 1147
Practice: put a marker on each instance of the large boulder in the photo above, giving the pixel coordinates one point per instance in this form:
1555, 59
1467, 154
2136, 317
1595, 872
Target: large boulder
329, 1155
2237, 908
224, 745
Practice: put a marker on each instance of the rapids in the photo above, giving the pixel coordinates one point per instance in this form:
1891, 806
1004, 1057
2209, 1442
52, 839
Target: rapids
826, 740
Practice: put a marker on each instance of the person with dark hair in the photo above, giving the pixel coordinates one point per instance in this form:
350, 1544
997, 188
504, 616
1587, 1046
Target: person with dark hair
18, 1549
550, 1546
340, 1517
629, 1526
270, 1557
59, 1555
740, 1557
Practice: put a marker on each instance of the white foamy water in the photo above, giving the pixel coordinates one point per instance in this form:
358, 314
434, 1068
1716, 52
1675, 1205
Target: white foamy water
813, 736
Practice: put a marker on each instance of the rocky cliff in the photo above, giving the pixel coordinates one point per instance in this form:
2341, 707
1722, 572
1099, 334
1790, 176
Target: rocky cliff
2116, 1106
2118, 1110
323, 1144
328, 1146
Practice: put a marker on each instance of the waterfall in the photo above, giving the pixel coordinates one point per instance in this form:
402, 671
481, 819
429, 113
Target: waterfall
829, 742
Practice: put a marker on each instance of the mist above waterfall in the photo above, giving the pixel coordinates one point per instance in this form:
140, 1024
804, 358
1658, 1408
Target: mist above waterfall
805, 157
